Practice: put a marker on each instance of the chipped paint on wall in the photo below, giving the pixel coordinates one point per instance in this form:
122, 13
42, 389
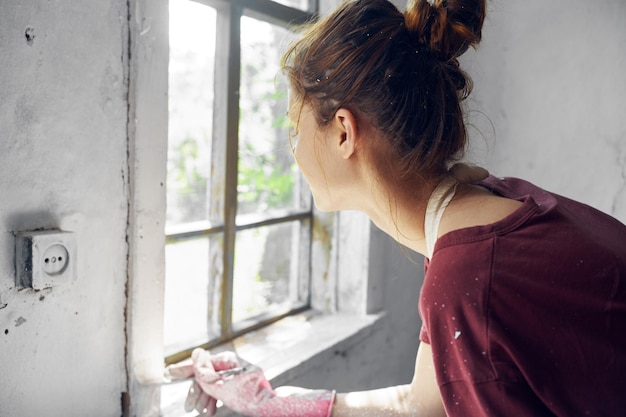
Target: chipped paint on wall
62, 140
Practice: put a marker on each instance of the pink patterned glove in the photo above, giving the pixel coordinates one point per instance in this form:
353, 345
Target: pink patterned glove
196, 398
246, 390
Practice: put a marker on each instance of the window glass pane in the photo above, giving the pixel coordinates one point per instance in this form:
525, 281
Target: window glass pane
267, 263
267, 173
191, 72
271, 267
186, 294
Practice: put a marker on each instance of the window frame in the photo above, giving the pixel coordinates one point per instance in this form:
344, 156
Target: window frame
225, 170
341, 244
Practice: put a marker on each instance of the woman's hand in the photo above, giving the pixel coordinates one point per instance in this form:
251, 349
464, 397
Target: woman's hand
243, 388
197, 399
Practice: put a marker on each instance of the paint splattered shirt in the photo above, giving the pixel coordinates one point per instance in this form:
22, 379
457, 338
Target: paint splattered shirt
526, 317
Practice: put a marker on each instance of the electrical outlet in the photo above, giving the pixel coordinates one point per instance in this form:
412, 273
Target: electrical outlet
45, 259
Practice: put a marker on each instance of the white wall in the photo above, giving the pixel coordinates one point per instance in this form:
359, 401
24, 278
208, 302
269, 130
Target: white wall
387, 357
550, 77
63, 164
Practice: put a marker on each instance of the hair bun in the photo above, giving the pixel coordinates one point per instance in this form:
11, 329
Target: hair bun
448, 27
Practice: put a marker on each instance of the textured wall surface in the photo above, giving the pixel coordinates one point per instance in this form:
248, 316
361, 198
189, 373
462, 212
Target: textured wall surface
549, 76
387, 356
63, 164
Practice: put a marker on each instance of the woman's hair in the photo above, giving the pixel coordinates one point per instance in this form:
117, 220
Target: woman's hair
400, 72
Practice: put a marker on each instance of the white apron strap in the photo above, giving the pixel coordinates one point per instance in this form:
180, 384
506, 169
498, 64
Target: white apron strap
437, 203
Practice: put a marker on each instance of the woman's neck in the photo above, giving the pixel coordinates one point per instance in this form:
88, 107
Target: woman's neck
401, 214
400, 211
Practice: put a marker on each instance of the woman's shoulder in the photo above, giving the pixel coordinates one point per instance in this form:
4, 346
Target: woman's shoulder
477, 205
501, 206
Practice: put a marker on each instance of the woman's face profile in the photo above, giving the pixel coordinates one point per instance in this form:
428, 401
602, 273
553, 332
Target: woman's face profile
310, 151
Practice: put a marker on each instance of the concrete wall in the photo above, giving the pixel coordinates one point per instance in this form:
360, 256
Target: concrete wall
387, 356
64, 165
548, 76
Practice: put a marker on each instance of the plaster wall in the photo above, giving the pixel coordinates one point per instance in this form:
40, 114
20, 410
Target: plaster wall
548, 103
387, 356
64, 165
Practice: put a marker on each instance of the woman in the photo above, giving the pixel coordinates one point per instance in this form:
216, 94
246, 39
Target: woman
524, 299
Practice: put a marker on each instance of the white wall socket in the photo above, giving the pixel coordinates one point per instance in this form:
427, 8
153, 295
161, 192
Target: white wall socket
45, 259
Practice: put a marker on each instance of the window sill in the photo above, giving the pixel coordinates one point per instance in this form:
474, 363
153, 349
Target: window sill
286, 349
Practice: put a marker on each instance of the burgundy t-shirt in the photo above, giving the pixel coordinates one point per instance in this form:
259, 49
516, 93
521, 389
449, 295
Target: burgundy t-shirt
526, 317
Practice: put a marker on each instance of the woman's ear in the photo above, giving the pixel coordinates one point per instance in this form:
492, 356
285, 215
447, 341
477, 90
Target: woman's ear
347, 131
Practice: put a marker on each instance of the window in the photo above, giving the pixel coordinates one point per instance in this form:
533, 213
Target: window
239, 216
344, 278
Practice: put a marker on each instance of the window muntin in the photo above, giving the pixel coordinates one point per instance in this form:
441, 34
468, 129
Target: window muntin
299, 4
239, 214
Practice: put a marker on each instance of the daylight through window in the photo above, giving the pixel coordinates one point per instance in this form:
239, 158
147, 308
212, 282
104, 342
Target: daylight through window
238, 212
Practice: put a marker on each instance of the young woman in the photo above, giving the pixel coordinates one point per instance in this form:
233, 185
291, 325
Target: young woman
524, 297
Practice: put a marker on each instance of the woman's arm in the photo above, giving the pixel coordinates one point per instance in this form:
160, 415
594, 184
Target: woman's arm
420, 398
